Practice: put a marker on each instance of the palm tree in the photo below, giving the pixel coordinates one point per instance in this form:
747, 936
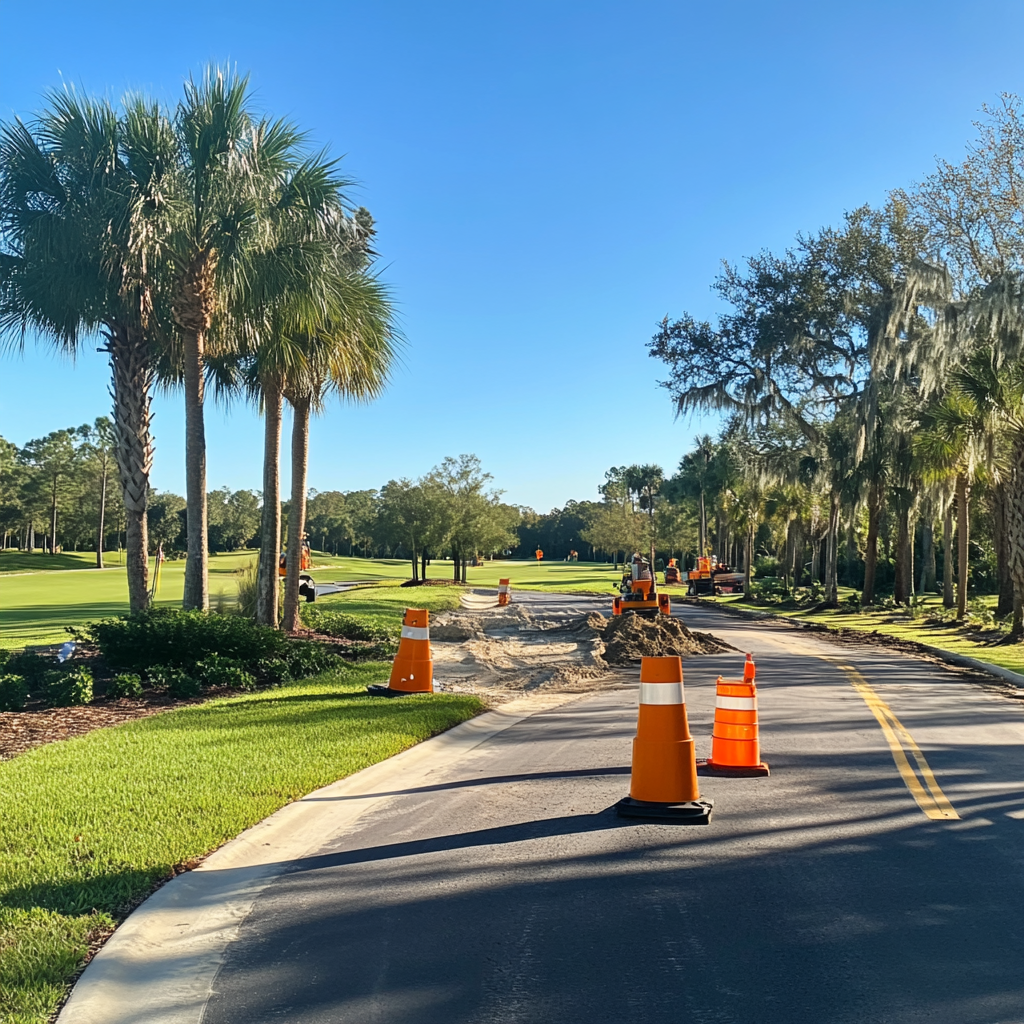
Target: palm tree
82, 197
351, 354
233, 169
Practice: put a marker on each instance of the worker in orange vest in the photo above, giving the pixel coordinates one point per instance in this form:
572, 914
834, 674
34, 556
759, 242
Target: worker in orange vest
540, 554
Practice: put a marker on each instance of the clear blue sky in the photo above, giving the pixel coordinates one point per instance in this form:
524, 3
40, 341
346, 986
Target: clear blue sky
549, 180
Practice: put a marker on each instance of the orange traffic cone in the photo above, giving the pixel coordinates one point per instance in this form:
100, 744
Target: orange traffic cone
413, 668
735, 747
503, 593
664, 778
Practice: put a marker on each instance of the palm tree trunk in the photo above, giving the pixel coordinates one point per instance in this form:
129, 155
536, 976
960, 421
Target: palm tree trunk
53, 519
963, 491
871, 547
1005, 604
832, 561
947, 556
103, 515
703, 524
267, 585
901, 586
297, 511
197, 591
132, 373
1015, 532
927, 581
748, 559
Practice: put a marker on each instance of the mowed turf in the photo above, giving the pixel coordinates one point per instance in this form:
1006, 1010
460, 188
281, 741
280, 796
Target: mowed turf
38, 604
89, 826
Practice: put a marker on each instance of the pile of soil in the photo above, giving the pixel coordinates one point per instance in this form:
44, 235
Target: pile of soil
628, 638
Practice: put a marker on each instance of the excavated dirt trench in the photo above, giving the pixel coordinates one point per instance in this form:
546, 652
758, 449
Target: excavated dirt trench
513, 649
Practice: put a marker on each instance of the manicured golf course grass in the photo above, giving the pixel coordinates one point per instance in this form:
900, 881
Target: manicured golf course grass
89, 826
38, 604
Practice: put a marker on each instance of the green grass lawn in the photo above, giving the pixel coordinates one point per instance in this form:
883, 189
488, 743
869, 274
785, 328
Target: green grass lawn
947, 636
89, 826
38, 604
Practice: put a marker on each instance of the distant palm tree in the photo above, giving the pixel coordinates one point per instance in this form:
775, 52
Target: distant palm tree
351, 355
82, 197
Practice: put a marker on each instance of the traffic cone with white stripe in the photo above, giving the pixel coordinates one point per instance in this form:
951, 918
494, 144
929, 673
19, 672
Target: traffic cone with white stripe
413, 668
663, 783
735, 744
504, 594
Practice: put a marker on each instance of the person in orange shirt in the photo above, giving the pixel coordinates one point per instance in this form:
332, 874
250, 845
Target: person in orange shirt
540, 554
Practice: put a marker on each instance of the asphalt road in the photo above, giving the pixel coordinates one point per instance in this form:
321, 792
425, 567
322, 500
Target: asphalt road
847, 887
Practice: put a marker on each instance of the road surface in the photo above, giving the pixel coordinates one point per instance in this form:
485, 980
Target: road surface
876, 876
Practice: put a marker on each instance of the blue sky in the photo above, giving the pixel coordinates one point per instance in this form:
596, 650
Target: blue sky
549, 179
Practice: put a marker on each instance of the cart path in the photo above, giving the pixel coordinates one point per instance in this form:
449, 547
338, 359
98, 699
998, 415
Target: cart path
501, 887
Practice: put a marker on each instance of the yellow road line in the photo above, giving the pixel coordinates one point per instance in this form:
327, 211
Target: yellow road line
932, 801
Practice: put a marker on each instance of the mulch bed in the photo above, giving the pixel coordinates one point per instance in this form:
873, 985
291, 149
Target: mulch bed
431, 583
24, 730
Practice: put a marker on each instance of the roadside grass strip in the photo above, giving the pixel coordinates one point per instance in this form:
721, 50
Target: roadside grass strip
90, 826
923, 785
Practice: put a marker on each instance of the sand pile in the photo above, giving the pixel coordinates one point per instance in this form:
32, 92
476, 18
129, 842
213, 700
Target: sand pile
628, 638
518, 648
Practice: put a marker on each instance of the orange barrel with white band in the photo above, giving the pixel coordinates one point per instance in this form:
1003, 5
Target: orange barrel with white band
735, 741
663, 783
503, 593
413, 668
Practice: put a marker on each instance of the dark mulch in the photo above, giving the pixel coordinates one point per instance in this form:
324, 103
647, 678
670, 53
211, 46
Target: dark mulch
23, 730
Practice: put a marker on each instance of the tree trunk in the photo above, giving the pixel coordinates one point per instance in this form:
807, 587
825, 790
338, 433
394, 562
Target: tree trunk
1005, 605
901, 586
267, 575
1015, 532
132, 372
927, 582
963, 491
103, 515
423, 565
748, 558
867, 596
415, 564
703, 525
832, 560
947, 556
297, 511
53, 518
197, 591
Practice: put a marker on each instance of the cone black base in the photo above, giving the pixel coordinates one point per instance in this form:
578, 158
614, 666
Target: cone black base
694, 812
376, 690
753, 771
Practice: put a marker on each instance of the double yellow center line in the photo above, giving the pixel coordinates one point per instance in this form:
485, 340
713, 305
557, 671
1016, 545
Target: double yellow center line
922, 784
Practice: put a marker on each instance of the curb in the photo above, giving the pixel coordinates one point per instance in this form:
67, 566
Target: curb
160, 964
960, 660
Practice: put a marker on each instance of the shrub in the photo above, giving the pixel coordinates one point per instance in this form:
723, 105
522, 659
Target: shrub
13, 692
30, 666
247, 589
174, 680
348, 627
306, 658
67, 689
172, 638
272, 672
125, 685
4, 656
218, 671
980, 612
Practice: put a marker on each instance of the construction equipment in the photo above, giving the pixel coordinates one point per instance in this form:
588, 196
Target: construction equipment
672, 574
639, 591
710, 576
305, 561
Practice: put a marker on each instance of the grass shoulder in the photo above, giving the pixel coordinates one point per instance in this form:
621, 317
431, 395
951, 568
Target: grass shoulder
923, 624
90, 826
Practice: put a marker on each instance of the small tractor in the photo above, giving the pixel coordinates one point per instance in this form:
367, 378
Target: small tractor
639, 592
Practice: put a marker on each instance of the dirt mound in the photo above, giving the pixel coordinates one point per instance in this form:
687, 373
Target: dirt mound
628, 638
